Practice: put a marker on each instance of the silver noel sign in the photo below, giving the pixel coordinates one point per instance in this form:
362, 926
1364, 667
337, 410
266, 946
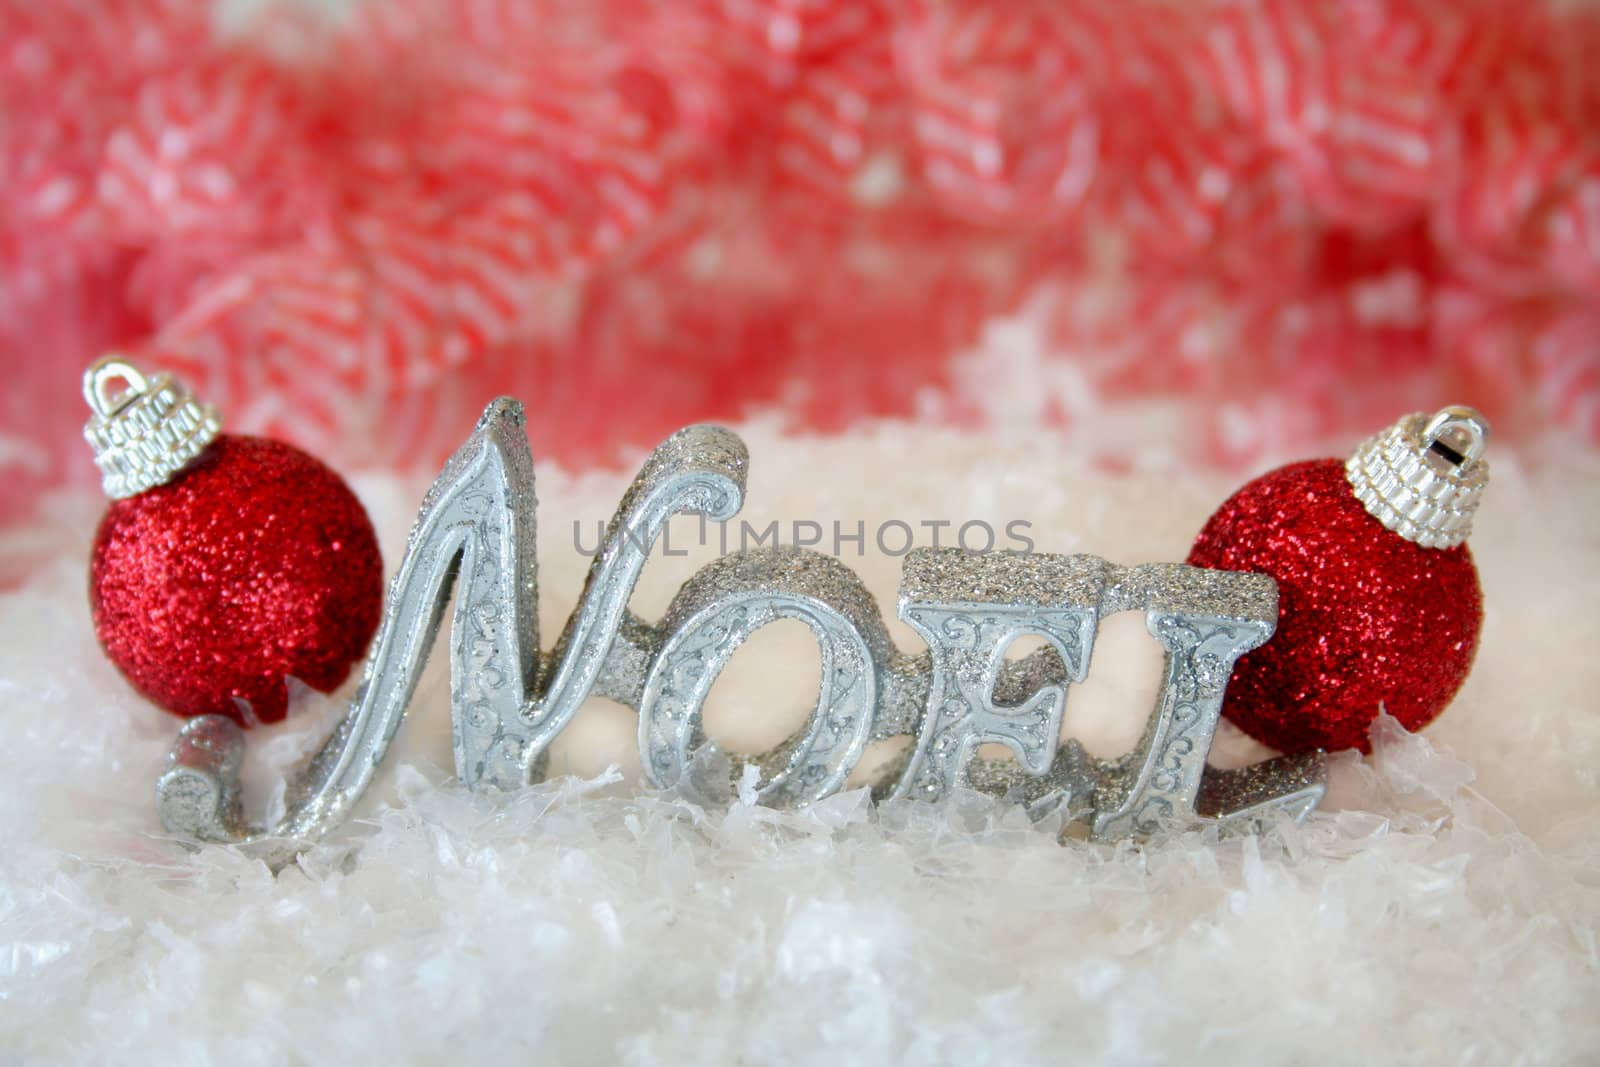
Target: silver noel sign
509, 700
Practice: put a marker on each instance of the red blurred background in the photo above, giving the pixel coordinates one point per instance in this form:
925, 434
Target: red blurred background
349, 224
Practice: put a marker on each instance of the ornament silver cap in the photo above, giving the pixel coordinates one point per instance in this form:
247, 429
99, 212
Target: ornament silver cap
145, 434
1423, 476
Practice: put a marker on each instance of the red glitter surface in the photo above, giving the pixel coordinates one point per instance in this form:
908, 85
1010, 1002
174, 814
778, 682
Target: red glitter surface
1365, 617
255, 564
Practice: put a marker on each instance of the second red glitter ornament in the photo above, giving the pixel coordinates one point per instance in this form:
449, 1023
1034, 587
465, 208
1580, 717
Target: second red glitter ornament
225, 565
1379, 603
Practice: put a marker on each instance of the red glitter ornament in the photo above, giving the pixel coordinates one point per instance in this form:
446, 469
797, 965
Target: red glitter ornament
250, 563
1368, 618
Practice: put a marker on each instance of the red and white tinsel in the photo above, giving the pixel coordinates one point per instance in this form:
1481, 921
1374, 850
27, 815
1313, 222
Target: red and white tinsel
345, 216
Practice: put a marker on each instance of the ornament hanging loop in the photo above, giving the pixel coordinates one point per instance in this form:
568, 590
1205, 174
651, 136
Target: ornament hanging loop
1455, 436
97, 381
147, 433
1423, 476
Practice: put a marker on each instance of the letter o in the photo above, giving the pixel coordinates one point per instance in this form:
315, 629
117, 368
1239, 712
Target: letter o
715, 613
